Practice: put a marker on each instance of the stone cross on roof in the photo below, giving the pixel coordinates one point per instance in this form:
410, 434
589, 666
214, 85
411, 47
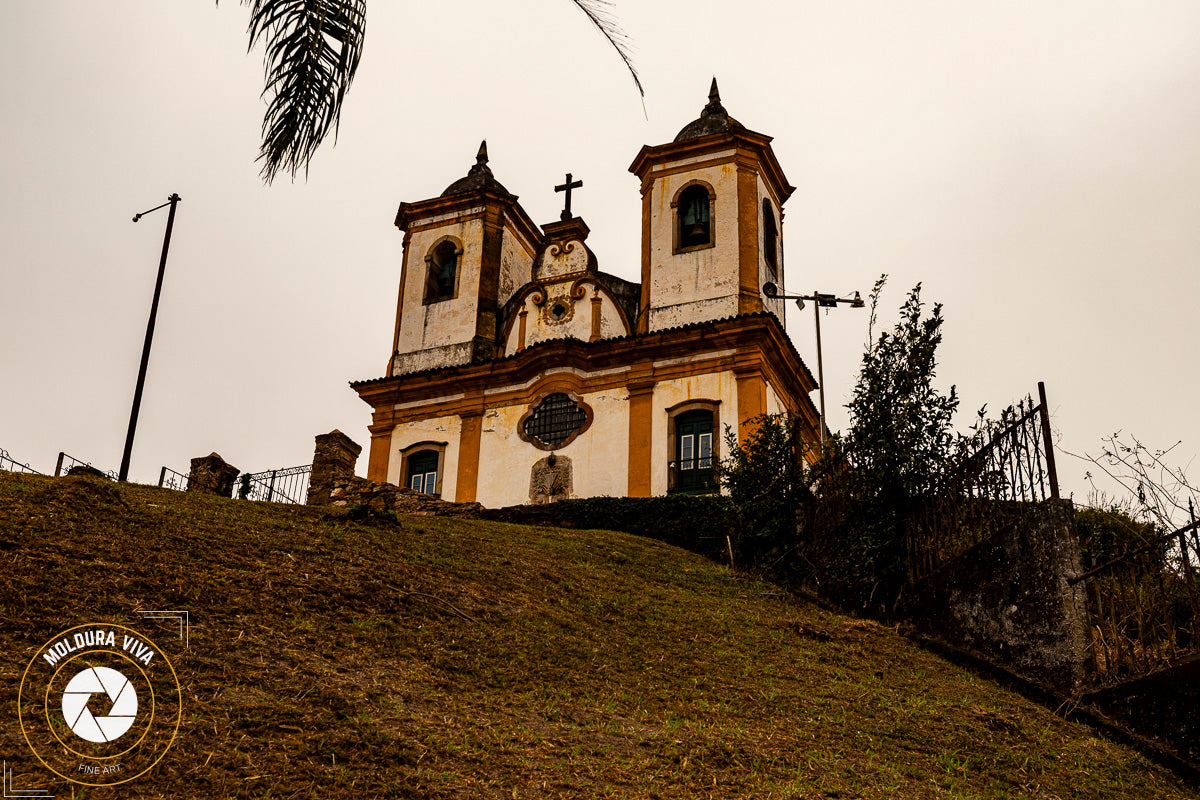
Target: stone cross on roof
567, 187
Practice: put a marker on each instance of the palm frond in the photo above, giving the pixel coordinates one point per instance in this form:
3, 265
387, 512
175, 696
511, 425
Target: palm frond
312, 52
600, 12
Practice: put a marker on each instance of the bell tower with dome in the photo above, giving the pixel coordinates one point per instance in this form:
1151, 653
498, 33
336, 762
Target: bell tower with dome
522, 372
712, 216
465, 253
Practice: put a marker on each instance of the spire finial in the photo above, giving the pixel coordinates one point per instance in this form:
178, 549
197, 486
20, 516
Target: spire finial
481, 157
714, 101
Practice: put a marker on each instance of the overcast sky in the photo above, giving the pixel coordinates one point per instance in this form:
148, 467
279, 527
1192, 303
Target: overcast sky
1035, 164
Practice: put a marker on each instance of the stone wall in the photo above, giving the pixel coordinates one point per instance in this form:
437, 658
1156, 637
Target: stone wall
354, 491
211, 475
333, 460
1007, 600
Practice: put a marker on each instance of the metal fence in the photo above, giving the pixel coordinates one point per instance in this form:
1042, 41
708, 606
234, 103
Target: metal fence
1143, 607
289, 485
170, 479
1008, 467
10, 464
66, 463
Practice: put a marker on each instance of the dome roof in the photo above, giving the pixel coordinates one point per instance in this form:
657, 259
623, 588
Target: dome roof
480, 177
713, 119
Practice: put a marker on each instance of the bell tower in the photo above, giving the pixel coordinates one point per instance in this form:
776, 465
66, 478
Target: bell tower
465, 253
712, 212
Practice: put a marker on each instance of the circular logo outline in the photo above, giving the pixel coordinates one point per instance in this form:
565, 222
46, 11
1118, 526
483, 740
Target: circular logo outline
93, 625
149, 725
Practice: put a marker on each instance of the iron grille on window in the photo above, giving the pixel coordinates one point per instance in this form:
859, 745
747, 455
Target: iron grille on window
555, 419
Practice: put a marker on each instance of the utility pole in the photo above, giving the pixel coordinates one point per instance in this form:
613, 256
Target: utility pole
172, 201
819, 301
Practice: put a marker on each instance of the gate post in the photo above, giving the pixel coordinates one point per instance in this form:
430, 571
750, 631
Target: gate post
1051, 471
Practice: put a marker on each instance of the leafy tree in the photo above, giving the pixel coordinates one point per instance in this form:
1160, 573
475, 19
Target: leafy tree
765, 481
899, 442
900, 438
312, 52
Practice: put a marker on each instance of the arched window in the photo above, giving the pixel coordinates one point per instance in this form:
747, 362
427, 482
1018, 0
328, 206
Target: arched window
423, 471
770, 238
693, 217
694, 455
442, 277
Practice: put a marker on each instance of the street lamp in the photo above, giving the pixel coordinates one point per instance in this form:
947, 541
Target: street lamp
172, 201
819, 301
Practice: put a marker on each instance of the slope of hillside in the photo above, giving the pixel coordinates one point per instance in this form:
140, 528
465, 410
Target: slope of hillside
334, 657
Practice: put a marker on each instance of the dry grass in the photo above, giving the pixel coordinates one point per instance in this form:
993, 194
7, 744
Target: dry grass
333, 657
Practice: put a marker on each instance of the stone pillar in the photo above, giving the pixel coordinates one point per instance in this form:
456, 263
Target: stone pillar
333, 460
211, 475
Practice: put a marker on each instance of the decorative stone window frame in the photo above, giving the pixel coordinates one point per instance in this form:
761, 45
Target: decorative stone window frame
771, 238
426, 299
677, 248
541, 397
423, 447
673, 413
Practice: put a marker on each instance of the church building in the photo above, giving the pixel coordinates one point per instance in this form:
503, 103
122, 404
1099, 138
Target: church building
520, 372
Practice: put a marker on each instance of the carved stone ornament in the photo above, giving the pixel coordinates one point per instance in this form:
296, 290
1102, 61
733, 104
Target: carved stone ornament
558, 310
550, 480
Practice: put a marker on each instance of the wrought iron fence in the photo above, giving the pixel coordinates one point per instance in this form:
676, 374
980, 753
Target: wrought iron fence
1008, 465
288, 485
170, 479
66, 463
1144, 607
10, 464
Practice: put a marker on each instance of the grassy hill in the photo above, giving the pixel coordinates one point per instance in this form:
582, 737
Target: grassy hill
333, 657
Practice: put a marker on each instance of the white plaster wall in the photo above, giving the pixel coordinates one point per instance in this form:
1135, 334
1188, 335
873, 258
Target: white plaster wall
599, 456
706, 274
684, 313
569, 257
439, 429
715, 386
577, 323
516, 265
448, 322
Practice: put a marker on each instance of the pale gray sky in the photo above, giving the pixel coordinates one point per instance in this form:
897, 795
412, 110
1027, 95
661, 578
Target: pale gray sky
1035, 164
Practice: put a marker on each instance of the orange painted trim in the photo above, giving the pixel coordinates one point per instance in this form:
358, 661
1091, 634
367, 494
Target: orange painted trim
399, 302
746, 345
749, 292
468, 458
487, 306
377, 460
596, 311
751, 146
641, 428
414, 215
752, 402
522, 315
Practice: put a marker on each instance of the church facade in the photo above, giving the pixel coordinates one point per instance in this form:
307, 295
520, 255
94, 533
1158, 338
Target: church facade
519, 372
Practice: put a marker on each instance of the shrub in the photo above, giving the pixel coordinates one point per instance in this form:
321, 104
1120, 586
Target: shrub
765, 480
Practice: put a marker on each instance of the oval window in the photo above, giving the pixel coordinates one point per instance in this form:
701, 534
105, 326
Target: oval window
555, 420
